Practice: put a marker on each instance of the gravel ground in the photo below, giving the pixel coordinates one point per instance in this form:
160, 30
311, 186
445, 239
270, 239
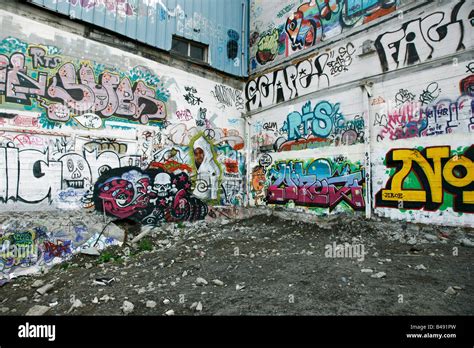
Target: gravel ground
263, 265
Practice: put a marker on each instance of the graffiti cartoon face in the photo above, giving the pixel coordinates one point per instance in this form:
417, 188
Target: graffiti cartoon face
304, 26
117, 196
76, 171
162, 184
258, 178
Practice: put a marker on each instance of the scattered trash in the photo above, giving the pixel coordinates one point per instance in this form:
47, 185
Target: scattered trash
170, 312
450, 291
199, 307
90, 251
104, 281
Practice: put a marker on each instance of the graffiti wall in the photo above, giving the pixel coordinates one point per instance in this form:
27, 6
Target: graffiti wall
426, 180
317, 181
300, 155
381, 121
423, 127
399, 41
313, 123
279, 29
106, 130
32, 247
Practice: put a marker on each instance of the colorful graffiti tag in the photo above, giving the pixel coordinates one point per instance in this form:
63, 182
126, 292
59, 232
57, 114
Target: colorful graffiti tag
416, 41
317, 183
23, 251
431, 179
413, 119
150, 196
323, 124
312, 22
34, 171
76, 92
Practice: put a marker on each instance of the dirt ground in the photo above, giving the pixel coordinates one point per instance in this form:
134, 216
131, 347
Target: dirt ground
268, 266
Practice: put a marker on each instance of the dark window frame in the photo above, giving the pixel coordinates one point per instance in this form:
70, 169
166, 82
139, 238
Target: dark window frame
191, 43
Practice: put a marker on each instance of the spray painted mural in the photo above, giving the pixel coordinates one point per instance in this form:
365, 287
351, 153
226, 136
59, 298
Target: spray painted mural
439, 31
75, 92
312, 124
428, 37
25, 250
432, 178
43, 170
423, 159
66, 121
149, 197
280, 29
436, 102
322, 185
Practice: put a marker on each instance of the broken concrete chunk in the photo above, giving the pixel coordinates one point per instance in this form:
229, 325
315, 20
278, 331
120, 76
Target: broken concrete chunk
467, 243
218, 282
379, 275
37, 310
92, 251
150, 304
44, 289
37, 283
420, 267
127, 307
201, 281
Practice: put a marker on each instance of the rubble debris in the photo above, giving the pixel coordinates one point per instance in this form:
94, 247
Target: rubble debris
37, 310
201, 281
127, 307
379, 275
44, 289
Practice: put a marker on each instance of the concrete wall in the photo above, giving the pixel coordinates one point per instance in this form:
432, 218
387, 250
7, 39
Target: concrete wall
380, 121
84, 125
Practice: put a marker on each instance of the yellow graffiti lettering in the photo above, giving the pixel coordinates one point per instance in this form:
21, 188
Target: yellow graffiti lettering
454, 180
433, 175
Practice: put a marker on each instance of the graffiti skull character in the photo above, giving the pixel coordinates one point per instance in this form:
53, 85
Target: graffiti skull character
76, 171
162, 184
